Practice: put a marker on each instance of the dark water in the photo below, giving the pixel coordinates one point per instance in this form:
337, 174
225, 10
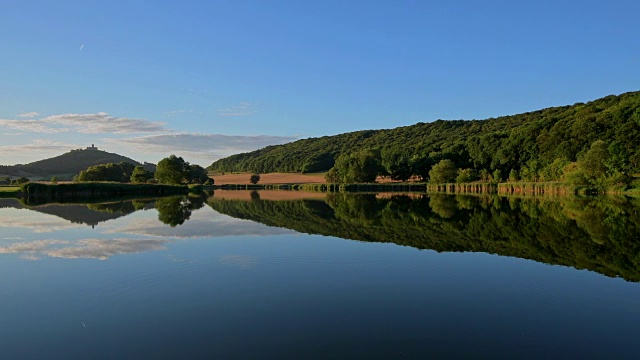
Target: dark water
252, 278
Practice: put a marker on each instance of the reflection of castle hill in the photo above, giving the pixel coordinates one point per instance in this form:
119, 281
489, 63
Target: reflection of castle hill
599, 234
89, 214
172, 210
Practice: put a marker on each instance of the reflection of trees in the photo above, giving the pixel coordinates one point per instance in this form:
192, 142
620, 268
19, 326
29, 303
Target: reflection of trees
175, 210
600, 234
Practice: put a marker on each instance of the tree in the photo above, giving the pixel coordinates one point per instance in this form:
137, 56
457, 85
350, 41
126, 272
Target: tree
359, 167
332, 176
197, 174
466, 175
54, 180
497, 175
172, 170
513, 175
120, 172
5, 180
593, 163
443, 172
397, 164
140, 175
19, 181
254, 178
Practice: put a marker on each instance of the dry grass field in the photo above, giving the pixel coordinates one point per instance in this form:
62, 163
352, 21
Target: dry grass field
279, 178
267, 195
272, 178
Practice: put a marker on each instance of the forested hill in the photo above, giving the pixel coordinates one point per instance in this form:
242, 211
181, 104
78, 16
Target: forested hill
504, 143
69, 163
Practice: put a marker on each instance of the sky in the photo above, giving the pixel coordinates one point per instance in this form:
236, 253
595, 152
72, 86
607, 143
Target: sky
207, 79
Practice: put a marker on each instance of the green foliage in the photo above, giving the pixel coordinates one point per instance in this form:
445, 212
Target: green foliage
598, 169
361, 167
140, 175
513, 175
19, 181
174, 170
554, 170
54, 180
529, 142
197, 174
593, 162
254, 179
107, 172
443, 172
397, 164
497, 176
466, 175
5, 180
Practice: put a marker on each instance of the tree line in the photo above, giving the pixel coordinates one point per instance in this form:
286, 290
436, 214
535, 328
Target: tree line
602, 166
534, 146
170, 170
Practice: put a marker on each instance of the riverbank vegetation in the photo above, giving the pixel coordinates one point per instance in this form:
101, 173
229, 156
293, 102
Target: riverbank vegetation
584, 145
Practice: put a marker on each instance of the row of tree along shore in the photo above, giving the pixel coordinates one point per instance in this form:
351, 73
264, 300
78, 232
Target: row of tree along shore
508, 188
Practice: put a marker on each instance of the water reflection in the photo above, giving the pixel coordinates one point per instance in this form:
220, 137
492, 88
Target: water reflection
599, 234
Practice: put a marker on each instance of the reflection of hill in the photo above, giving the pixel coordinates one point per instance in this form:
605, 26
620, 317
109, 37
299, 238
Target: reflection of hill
600, 235
81, 214
90, 214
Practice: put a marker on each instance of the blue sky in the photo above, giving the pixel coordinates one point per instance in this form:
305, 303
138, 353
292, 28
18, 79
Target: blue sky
205, 79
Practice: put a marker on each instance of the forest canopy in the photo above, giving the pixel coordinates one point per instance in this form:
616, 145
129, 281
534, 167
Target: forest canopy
535, 146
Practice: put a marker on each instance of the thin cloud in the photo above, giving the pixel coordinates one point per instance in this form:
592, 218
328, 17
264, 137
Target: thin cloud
242, 109
85, 124
31, 114
29, 125
100, 249
178, 112
211, 146
40, 146
104, 123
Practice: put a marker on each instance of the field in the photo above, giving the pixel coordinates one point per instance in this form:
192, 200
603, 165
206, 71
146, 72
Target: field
268, 195
273, 178
9, 188
278, 178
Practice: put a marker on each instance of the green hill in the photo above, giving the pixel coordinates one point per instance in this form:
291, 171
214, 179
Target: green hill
67, 165
504, 143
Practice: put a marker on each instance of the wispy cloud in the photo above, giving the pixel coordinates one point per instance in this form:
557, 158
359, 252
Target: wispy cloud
37, 147
178, 112
31, 114
28, 125
210, 146
241, 109
85, 124
87, 248
104, 123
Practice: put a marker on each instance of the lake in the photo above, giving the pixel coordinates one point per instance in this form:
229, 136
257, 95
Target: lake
290, 275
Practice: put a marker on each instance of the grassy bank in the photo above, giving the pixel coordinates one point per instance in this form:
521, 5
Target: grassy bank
9, 191
99, 189
373, 187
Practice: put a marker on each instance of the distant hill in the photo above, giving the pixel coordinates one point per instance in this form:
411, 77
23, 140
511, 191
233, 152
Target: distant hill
504, 143
67, 165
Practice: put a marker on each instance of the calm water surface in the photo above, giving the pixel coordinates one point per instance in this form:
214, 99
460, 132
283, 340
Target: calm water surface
248, 275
